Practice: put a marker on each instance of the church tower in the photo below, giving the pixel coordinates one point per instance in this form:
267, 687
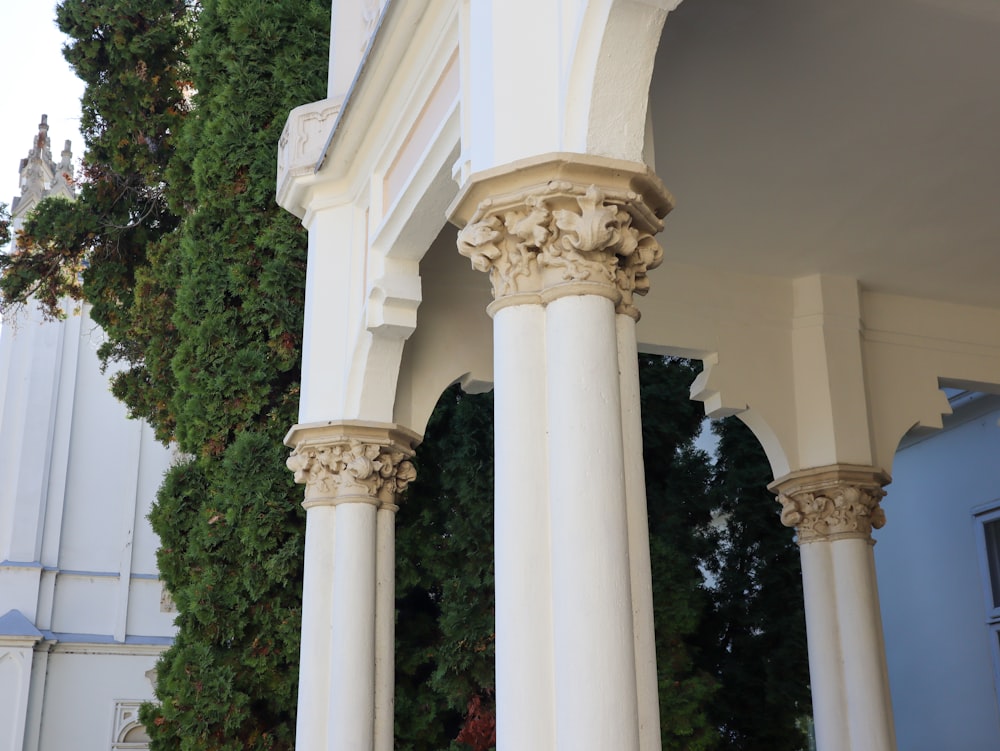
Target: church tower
41, 177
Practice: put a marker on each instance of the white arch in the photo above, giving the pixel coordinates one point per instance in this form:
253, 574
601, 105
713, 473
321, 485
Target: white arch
607, 87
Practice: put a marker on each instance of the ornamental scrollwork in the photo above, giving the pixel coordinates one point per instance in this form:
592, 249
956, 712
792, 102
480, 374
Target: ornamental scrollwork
351, 469
841, 511
564, 233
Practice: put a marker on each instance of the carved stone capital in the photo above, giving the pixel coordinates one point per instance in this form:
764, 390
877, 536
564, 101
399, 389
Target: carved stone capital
831, 503
352, 462
563, 225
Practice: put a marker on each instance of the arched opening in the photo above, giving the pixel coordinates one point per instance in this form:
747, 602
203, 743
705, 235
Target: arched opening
730, 633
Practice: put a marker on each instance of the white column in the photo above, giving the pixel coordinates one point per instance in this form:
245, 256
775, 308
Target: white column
524, 635
351, 470
385, 626
596, 703
567, 240
647, 684
317, 610
352, 653
823, 643
834, 509
866, 674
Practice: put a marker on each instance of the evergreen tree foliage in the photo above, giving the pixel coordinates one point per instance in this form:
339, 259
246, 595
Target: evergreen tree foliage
238, 264
130, 54
444, 578
231, 555
756, 631
680, 510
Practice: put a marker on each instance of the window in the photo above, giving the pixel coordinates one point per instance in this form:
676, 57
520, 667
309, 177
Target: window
127, 732
988, 540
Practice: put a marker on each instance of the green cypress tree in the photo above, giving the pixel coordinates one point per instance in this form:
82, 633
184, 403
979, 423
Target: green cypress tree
229, 681
445, 633
680, 510
130, 54
755, 636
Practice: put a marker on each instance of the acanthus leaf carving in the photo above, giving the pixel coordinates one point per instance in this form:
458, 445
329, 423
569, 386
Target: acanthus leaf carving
351, 470
564, 233
844, 510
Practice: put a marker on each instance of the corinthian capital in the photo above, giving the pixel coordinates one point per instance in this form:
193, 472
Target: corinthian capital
352, 462
564, 225
831, 503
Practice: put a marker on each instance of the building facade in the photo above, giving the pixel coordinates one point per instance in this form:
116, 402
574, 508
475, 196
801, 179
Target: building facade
482, 190
83, 616
938, 568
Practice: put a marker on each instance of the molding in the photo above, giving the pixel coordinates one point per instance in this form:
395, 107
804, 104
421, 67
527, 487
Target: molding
299, 148
79, 644
396, 74
839, 501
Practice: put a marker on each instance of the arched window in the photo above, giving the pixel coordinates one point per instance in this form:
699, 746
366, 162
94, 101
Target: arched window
128, 733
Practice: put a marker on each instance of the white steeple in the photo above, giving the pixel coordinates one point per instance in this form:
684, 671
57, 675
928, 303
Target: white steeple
41, 177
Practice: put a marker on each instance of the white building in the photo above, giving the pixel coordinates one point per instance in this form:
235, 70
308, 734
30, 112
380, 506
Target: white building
938, 565
832, 261
82, 612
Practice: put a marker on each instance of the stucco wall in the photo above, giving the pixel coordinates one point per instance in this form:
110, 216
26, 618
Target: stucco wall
938, 647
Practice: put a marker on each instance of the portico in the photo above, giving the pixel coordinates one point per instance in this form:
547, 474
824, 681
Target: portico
830, 339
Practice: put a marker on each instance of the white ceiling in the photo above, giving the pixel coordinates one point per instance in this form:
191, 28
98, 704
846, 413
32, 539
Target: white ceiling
850, 137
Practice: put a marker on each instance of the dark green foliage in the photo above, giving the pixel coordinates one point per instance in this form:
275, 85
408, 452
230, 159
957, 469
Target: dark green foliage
130, 54
231, 554
445, 632
757, 630
228, 333
242, 259
52, 267
678, 478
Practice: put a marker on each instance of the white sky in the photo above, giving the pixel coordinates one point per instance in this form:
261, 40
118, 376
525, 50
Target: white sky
36, 80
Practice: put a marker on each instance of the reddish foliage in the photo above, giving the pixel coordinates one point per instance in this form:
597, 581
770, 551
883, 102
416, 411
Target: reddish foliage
480, 728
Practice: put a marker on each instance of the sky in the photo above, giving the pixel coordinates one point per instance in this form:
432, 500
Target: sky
36, 80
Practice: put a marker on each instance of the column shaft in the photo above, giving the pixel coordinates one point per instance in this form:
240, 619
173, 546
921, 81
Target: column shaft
524, 636
640, 574
865, 674
567, 240
317, 611
385, 627
823, 642
354, 472
592, 608
352, 663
